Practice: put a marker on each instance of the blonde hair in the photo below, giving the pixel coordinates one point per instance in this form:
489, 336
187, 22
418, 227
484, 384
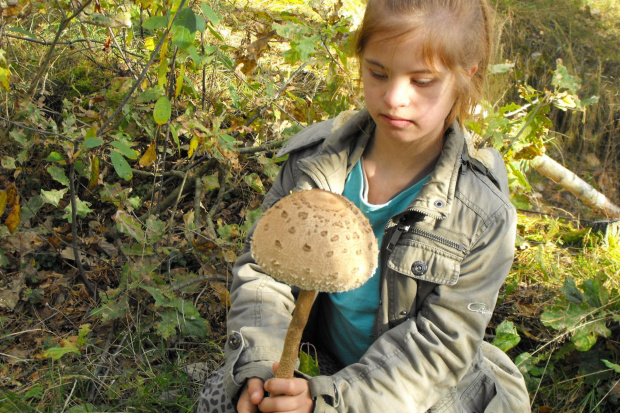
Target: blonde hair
456, 34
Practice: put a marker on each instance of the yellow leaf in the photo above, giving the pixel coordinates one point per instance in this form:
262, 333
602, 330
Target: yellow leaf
179, 84
149, 43
11, 195
193, 145
2, 202
149, 156
5, 78
12, 221
94, 173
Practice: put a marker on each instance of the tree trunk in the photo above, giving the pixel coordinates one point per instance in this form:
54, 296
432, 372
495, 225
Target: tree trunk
577, 186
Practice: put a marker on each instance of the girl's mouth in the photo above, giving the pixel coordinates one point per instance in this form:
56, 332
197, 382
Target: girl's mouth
396, 122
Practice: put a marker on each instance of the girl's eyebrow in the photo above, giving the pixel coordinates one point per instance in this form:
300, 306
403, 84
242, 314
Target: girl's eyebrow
381, 66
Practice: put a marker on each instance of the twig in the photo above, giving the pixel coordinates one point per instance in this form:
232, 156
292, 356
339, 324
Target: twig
105, 349
605, 396
41, 131
68, 43
197, 196
118, 46
48, 56
177, 174
76, 252
112, 122
262, 148
180, 286
218, 199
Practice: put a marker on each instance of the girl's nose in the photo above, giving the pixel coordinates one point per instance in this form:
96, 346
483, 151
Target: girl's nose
397, 94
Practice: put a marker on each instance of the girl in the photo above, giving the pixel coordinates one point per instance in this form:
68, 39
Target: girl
411, 338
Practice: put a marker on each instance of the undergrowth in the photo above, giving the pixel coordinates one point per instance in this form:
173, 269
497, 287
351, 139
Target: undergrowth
123, 212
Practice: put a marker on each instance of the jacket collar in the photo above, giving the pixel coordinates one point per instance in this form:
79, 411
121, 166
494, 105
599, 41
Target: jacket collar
342, 149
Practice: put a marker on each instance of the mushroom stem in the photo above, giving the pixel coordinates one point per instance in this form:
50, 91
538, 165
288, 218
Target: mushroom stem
288, 359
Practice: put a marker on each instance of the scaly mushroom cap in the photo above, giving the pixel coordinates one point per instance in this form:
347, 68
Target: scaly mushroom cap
316, 240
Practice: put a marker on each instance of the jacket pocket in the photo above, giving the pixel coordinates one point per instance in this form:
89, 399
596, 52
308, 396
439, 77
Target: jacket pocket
424, 262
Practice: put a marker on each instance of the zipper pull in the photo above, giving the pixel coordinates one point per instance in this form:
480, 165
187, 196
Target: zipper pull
396, 235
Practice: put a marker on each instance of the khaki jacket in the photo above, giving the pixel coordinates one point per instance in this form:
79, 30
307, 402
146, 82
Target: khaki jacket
443, 261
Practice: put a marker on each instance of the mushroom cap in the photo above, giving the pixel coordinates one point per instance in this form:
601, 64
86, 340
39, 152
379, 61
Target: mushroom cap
316, 240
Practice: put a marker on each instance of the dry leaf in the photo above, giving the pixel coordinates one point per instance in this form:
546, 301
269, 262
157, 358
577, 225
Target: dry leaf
11, 195
12, 221
149, 156
9, 297
3, 197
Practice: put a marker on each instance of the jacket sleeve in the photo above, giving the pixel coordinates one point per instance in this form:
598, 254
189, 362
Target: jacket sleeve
417, 363
261, 307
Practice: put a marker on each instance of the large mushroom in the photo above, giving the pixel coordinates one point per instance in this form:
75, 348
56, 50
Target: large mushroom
318, 241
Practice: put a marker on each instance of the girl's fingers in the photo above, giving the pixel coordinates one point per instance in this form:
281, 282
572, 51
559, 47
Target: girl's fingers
251, 395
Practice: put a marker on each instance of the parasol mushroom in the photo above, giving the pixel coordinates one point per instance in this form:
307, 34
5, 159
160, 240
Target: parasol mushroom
318, 241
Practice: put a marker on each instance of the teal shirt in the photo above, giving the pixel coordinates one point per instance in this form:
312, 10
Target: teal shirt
349, 316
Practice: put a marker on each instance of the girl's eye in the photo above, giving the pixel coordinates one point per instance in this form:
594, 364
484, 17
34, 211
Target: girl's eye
378, 75
422, 82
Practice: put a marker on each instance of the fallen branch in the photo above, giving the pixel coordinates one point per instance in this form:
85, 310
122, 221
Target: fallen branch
577, 186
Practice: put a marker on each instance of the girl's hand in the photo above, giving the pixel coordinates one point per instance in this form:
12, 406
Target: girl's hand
251, 395
287, 395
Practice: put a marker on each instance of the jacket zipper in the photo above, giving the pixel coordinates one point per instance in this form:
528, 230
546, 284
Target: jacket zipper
400, 229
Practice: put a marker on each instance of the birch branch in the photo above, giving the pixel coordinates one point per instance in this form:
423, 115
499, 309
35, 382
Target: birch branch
577, 186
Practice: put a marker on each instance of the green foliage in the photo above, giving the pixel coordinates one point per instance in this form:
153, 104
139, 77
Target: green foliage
583, 312
506, 336
521, 131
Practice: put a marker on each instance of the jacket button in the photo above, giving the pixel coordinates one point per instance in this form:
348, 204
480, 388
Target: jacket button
403, 313
439, 203
234, 341
419, 268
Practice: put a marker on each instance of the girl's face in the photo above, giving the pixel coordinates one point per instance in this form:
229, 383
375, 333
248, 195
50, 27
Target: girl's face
408, 101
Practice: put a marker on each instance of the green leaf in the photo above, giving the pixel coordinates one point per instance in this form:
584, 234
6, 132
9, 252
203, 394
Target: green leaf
111, 309
586, 335
182, 37
162, 110
186, 18
561, 317
58, 174
506, 336
307, 47
125, 149
155, 22
210, 182
151, 94
37, 391
54, 157
167, 327
564, 80
21, 31
595, 292
83, 209
155, 229
90, 143
129, 225
307, 365
571, 292
500, 68
121, 166
210, 14
253, 180
5, 78
613, 366
55, 353
8, 162
54, 196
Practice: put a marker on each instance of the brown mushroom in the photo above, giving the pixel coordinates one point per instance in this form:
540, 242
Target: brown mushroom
318, 241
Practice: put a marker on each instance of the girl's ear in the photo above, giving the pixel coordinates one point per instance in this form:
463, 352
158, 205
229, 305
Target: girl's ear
473, 70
